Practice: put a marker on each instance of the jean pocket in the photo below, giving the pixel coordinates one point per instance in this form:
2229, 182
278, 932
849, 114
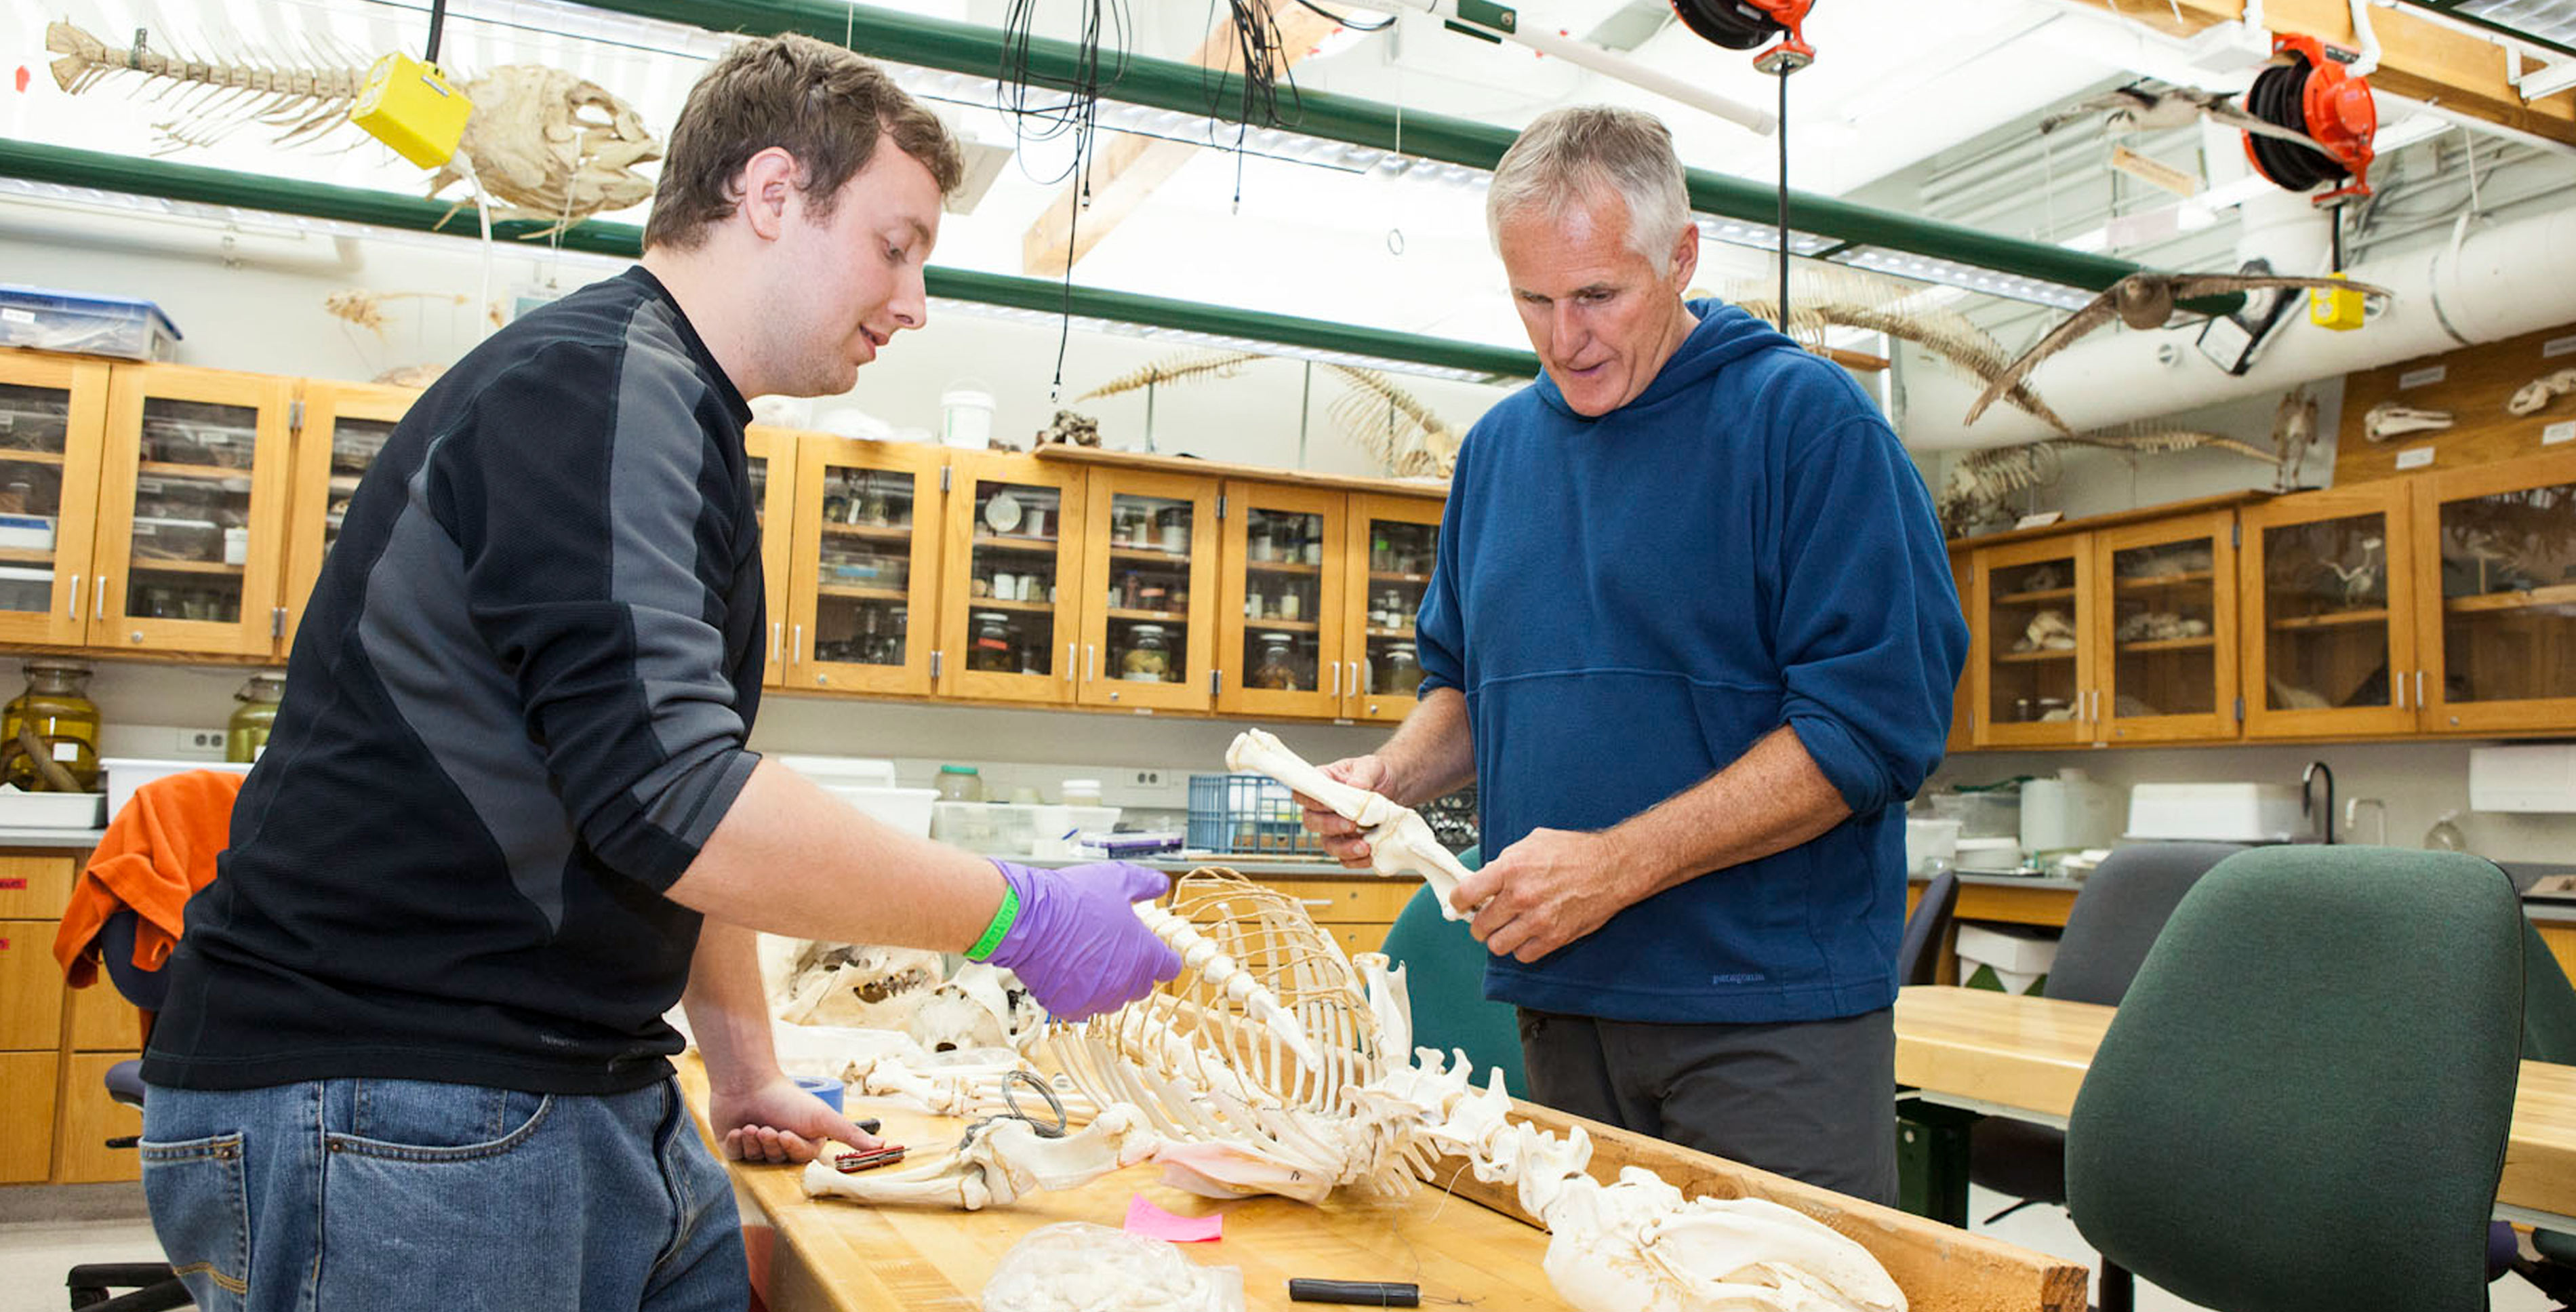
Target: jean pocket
424, 1121
200, 1204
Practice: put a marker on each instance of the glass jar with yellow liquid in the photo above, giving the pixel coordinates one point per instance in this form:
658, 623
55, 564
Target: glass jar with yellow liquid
247, 733
49, 735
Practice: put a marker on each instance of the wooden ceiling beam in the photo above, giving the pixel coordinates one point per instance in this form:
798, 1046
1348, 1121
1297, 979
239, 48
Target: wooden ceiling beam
2420, 57
1126, 169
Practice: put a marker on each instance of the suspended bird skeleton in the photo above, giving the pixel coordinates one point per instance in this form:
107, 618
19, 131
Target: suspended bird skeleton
2145, 106
546, 144
1842, 298
1383, 419
1199, 1078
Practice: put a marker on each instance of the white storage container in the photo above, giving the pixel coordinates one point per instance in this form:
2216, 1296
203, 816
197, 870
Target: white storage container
859, 771
2068, 813
26, 587
1928, 840
2536, 779
2217, 813
2012, 958
1016, 829
84, 324
124, 774
906, 809
20, 809
27, 532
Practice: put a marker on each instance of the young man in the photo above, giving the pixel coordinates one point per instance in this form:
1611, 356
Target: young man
414, 1054
1693, 634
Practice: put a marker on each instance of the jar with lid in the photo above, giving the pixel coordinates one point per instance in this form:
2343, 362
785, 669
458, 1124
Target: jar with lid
1276, 671
49, 734
1403, 671
960, 783
1081, 792
991, 649
1148, 658
247, 735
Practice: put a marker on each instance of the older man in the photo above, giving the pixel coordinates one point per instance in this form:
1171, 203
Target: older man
1693, 634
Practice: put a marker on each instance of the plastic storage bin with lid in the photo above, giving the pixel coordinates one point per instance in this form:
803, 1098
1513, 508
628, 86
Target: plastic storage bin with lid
78, 323
2008, 958
868, 784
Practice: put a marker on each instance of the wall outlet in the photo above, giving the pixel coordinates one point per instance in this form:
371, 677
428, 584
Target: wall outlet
1149, 778
201, 740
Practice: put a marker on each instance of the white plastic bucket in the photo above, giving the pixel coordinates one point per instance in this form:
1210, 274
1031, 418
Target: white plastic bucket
966, 418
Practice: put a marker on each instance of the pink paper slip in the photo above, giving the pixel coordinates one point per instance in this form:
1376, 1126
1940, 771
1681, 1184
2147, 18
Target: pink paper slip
1143, 1218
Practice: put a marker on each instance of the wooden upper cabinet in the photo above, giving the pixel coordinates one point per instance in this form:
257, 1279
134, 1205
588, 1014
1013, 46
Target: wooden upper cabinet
2165, 630
1149, 591
2495, 572
864, 585
1009, 615
771, 456
1963, 699
2032, 643
345, 426
53, 415
2328, 627
1394, 542
1280, 647
192, 511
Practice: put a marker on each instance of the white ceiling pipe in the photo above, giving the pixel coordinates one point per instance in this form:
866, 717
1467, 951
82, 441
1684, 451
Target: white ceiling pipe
2503, 281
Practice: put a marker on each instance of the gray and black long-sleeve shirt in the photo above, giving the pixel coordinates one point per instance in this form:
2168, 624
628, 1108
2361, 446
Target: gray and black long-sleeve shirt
514, 712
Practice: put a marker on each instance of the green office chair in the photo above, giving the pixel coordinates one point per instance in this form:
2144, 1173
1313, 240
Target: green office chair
1445, 976
2548, 1034
2303, 1099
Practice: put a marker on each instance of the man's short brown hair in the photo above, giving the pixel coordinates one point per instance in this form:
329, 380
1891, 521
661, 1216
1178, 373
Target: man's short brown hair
818, 102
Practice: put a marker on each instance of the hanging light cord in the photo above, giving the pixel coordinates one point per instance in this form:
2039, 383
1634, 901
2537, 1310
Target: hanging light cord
1782, 131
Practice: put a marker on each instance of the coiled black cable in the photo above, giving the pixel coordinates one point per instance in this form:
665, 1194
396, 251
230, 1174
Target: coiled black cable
2279, 95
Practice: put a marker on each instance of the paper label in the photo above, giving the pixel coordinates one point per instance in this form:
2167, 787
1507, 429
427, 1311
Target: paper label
17, 316
2155, 172
2415, 457
4, 945
2564, 431
2041, 520
67, 751
2558, 346
12, 885
2414, 378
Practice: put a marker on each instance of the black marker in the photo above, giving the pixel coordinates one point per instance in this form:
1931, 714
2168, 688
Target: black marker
1366, 1293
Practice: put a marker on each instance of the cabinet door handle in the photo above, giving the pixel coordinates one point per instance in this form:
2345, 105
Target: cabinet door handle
1090, 654
2400, 681
99, 606
1359, 688
796, 644
777, 632
1337, 678
76, 582
1068, 661
2420, 703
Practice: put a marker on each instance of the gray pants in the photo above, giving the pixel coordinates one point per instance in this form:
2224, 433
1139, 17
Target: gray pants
1812, 1100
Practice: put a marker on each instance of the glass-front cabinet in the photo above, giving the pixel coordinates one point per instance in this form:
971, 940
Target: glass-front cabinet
2328, 637
1149, 591
2032, 643
864, 586
2496, 569
1280, 649
52, 412
192, 520
1963, 699
1394, 542
2165, 626
771, 459
344, 427
1014, 562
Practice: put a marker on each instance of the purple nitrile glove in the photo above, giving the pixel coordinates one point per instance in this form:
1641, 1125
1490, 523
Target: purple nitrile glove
1077, 943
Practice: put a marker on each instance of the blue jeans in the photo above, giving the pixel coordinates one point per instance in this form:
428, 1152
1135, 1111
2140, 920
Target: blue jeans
391, 1195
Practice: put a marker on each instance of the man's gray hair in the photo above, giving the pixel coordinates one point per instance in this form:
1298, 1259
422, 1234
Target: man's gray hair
1568, 153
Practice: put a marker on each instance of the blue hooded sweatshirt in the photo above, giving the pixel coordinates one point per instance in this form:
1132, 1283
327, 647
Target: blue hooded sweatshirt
1629, 602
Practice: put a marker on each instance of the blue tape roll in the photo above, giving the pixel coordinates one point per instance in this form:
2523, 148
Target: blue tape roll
823, 1087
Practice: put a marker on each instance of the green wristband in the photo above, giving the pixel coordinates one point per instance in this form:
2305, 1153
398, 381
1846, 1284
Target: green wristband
1003, 917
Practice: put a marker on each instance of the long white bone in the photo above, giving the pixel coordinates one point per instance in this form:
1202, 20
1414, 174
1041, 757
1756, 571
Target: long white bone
1000, 1161
1400, 840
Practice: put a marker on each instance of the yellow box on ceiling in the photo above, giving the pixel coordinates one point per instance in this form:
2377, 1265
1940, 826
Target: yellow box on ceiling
410, 106
2338, 309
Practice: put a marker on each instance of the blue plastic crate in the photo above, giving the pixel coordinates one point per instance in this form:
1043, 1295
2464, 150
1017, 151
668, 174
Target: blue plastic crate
79, 323
1247, 814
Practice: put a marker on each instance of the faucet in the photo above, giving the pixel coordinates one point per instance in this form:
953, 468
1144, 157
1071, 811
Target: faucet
2323, 815
2352, 818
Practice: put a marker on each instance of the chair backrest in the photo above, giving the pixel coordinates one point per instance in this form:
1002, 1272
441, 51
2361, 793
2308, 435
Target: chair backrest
2123, 906
1445, 976
2303, 1100
1918, 954
2548, 1003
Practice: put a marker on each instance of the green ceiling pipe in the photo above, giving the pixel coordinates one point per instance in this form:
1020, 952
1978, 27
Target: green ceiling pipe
1168, 84
137, 176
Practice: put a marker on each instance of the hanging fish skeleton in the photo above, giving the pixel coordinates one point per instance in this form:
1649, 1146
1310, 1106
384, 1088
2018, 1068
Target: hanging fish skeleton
545, 144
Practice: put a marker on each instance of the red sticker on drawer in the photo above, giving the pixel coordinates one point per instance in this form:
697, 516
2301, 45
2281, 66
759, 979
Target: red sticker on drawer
4, 945
8, 885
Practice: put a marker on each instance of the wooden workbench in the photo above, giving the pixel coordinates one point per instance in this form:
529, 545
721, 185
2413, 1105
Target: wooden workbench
2008, 1054
833, 1256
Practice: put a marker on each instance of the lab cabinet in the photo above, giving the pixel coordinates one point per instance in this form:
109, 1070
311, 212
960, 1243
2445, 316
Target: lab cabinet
1963, 697
1010, 610
2032, 642
2165, 654
1281, 645
770, 465
2495, 569
864, 584
53, 418
191, 511
1149, 594
2328, 637
1394, 543
342, 428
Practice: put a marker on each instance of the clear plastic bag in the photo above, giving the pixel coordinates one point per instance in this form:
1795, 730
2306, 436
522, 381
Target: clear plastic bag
1076, 1267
